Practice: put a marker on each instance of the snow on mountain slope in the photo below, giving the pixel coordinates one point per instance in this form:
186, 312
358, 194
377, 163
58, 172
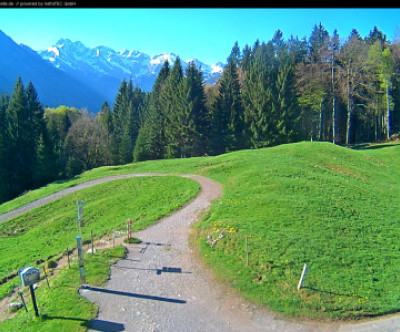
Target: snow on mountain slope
101, 64
54, 86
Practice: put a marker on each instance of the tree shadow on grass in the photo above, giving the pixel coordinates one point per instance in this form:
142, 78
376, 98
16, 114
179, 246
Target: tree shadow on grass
368, 146
326, 291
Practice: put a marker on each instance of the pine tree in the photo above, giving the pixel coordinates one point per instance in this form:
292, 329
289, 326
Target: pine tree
128, 126
118, 120
105, 118
227, 118
288, 111
150, 143
193, 115
45, 168
170, 101
36, 131
19, 143
4, 150
58, 122
258, 97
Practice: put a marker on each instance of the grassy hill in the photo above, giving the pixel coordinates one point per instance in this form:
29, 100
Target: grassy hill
328, 206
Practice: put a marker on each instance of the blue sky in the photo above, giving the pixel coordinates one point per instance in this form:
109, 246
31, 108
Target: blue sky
207, 33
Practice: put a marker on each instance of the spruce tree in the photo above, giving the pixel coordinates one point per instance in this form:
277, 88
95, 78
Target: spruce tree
227, 119
170, 101
288, 111
118, 120
4, 150
150, 143
19, 143
36, 131
258, 97
193, 115
46, 167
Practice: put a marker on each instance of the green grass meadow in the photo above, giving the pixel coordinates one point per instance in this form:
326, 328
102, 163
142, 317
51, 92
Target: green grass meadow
49, 230
61, 308
333, 208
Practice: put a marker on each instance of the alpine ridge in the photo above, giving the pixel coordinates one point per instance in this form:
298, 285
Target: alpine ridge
70, 73
54, 86
104, 68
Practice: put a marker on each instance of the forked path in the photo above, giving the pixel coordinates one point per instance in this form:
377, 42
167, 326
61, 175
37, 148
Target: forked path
163, 286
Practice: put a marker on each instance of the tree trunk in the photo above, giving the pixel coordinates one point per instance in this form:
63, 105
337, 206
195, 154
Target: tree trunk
320, 122
348, 123
389, 129
349, 109
334, 120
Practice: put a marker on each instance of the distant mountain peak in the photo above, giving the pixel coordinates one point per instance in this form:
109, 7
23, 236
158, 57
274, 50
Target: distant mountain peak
70, 73
97, 63
54, 86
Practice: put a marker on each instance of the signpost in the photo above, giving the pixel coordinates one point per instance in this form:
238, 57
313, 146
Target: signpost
79, 205
80, 260
30, 276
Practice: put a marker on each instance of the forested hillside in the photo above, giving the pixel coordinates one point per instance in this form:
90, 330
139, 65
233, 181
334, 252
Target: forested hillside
326, 88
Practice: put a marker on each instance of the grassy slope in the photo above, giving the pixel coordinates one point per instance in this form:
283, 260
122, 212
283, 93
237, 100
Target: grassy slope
49, 230
315, 203
61, 308
330, 207
327, 206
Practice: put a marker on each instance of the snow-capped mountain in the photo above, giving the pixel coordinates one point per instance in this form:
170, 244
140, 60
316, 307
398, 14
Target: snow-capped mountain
69, 73
104, 68
54, 86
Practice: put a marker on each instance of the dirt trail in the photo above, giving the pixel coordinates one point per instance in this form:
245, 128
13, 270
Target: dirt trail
163, 286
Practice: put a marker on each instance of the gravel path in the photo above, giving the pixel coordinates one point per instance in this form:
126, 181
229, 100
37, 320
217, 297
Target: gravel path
163, 286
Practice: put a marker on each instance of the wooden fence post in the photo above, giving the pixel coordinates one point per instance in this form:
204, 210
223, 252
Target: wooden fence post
303, 274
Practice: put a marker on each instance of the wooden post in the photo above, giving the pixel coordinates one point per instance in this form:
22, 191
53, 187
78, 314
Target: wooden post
80, 260
69, 261
34, 300
47, 279
23, 300
247, 250
129, 226
91, 239
303, 274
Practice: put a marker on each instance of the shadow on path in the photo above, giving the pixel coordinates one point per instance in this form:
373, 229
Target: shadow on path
158, 271
96, 324
105, 326
139, 296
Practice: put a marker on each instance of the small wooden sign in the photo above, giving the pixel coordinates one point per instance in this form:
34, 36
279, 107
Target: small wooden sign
29, 276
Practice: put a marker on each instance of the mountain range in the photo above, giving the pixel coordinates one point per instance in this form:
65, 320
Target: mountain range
70, 73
